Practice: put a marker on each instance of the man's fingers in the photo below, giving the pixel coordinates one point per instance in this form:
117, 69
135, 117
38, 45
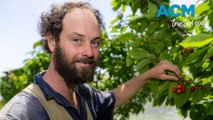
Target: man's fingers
175, 69
169, 77
169, 66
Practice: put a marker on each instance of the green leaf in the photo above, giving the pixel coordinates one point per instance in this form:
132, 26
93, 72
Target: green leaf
142, 64
210, 109
209, 53
123, 8
195, 56
38, 43
135, 43
152, 11
184, 112
115, 5
197, 95
161, 34
164, 86
154, 87
126, 37
171, 93
153, 27
159, 100
114, 21
197, 40
202, 8
192, 57
129, 61
198, 113
138, 53
151, 56
182, 98
139, 24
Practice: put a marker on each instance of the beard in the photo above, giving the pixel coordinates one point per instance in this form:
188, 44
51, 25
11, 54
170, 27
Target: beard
68, 69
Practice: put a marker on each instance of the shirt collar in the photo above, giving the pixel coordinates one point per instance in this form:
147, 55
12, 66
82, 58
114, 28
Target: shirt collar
49, 94
48, 91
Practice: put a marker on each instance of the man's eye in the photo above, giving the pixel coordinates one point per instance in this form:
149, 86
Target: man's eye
77, 41
95, 43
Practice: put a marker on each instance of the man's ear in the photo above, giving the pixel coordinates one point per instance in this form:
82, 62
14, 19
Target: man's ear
51, 42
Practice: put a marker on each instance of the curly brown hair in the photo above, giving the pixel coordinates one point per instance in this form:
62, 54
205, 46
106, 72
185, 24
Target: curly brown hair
51, 23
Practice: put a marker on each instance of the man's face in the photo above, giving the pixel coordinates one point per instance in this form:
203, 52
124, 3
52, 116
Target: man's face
77, 52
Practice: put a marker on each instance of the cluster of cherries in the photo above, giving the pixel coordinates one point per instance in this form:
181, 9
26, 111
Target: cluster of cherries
180, 89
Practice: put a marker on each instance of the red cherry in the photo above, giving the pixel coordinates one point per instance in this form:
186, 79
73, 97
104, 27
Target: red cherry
179, 86
178, 91
174, 89
183, 90
193, 88
185, 50
191, 50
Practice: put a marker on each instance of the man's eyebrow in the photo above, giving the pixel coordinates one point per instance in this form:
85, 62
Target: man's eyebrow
78, 34
97, 38
81, 35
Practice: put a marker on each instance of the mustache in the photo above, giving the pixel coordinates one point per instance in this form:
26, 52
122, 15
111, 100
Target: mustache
85, 60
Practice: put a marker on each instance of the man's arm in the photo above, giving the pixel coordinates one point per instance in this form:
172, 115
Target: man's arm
127, 90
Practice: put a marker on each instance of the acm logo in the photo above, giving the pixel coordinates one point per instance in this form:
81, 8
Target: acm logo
162, 11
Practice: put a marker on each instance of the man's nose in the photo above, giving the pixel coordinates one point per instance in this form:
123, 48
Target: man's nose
88, 51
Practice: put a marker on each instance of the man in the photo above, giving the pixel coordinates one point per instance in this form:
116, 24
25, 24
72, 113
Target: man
72, 37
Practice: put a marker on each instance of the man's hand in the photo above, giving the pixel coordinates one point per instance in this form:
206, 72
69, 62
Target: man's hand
159, 71
127, 90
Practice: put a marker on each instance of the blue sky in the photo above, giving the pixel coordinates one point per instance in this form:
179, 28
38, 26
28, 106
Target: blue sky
18, 26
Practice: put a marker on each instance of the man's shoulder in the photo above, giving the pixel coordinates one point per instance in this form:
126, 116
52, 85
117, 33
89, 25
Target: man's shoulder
22, 106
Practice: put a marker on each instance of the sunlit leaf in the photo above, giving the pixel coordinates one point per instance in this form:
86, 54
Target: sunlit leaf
202, 8
197, 40
38, 43
115, 5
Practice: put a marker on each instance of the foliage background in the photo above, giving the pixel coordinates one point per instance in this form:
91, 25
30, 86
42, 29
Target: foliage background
136, 43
